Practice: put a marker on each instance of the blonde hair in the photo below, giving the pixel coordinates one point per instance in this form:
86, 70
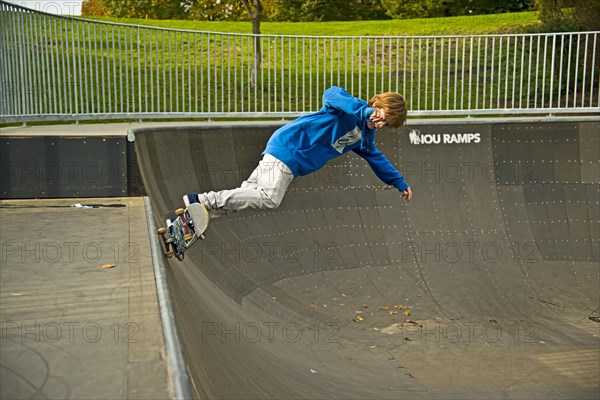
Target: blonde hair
393, 106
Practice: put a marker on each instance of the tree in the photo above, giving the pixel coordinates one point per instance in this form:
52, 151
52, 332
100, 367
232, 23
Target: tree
285, 11
475, 7
371, 10
326, 10
156, 9
569, 15
210, 10
92, 8
119, 9
254, 11
164, 9
403, 9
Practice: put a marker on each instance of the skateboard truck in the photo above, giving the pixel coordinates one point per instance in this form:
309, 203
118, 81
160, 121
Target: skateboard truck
168, 241
184, 229
187, 224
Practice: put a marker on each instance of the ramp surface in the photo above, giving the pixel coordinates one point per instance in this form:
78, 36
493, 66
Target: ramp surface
486, 285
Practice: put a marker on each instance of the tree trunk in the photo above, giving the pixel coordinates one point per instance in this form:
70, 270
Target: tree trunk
257, 51
255, 13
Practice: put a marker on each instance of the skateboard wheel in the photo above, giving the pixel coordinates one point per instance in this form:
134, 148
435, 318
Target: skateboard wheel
202, 237
169, 254
180, 256
188, 237
179, 211
160, 231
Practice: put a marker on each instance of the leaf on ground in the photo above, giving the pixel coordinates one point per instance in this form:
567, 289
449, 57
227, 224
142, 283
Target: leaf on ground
410, 321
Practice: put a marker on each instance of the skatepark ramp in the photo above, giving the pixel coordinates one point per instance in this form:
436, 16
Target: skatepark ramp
485, 285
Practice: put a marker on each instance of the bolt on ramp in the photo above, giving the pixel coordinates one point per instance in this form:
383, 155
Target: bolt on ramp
485, 285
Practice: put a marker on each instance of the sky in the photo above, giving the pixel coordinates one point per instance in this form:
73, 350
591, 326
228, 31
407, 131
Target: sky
64, 7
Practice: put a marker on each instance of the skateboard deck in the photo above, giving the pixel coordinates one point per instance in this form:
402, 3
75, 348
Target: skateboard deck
184, 229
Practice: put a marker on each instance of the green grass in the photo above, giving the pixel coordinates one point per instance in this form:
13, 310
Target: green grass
479, 24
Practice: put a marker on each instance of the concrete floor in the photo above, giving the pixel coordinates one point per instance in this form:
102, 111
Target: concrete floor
70, 328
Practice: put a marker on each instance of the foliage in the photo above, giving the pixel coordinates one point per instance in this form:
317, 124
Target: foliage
402, 9
285, 10
254, 10
371, 10
93, 8
324, 10
569, 15
471, 7
164, 9
313, 10
308, 10
412, 8
208, 10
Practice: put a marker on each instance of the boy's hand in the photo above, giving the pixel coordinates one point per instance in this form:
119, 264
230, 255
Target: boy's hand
378, 118
407, 194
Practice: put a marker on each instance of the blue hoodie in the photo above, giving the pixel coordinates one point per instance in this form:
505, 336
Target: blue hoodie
307, 143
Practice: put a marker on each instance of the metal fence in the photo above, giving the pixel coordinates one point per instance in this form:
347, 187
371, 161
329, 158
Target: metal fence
63, 68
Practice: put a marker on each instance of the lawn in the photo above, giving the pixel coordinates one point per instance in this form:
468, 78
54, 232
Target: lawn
466, 25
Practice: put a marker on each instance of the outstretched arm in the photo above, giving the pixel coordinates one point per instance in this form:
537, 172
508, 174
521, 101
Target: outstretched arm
385, 171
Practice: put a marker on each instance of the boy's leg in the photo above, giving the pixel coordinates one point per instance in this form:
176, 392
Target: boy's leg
264, 189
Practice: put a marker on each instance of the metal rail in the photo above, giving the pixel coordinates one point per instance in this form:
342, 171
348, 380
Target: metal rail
65, 68
181, 384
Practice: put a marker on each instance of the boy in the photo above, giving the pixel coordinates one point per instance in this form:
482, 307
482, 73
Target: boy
305, 145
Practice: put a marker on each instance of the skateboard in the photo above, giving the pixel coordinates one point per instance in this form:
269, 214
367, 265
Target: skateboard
184, 230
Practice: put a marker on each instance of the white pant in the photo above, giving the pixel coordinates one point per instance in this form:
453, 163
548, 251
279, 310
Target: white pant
264, 189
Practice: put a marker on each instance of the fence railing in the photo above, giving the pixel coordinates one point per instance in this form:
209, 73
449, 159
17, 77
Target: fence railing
64, 68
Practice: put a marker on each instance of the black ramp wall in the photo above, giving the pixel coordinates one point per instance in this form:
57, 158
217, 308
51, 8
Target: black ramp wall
486, 285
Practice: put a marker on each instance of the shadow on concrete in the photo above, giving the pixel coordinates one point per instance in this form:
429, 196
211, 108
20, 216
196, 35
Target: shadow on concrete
484, 286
